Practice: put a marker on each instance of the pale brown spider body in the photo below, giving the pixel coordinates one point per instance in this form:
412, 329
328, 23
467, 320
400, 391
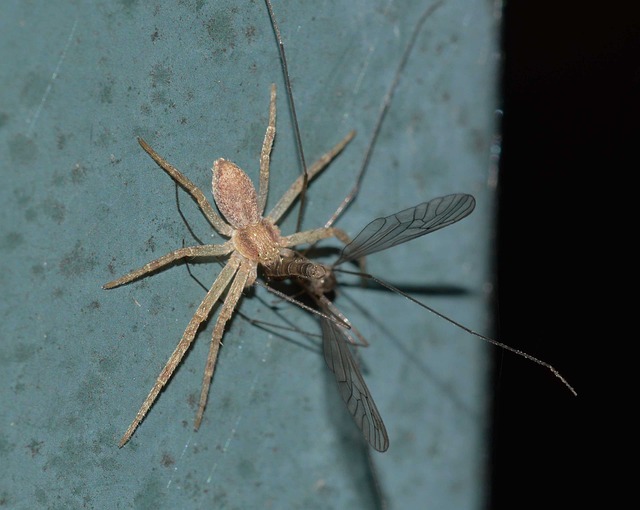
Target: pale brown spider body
254, 240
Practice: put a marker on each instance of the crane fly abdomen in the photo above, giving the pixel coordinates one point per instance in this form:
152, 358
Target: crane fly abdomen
298, 266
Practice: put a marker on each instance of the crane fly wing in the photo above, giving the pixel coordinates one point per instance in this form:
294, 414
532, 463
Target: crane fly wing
383, 233
352, 387
378, 235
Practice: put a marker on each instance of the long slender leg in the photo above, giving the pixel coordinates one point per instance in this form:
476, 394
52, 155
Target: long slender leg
230, 303
311, 236
265, 155
189, 334
216, 221
208, 250
290, 195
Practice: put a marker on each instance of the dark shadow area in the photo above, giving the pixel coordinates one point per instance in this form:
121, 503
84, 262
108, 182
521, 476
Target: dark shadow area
450, 290
570, 87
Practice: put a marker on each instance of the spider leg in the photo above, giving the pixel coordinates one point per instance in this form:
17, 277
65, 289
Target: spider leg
230, 302
290, 195
311, 236
208, 250
216, 221
199, 317
265, 154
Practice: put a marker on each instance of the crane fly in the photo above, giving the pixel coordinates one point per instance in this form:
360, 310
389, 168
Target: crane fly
318, 280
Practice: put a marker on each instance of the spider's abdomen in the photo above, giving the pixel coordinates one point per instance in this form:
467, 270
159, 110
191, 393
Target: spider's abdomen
234, 194
259, 242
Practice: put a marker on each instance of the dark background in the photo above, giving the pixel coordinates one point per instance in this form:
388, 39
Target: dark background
570, 89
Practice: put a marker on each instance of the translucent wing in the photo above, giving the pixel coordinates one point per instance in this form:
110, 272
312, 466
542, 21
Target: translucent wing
352, 387
383, 233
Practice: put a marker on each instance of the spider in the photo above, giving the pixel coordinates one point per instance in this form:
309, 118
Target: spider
254, 240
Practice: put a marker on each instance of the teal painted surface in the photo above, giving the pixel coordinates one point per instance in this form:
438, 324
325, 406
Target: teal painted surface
81, 203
